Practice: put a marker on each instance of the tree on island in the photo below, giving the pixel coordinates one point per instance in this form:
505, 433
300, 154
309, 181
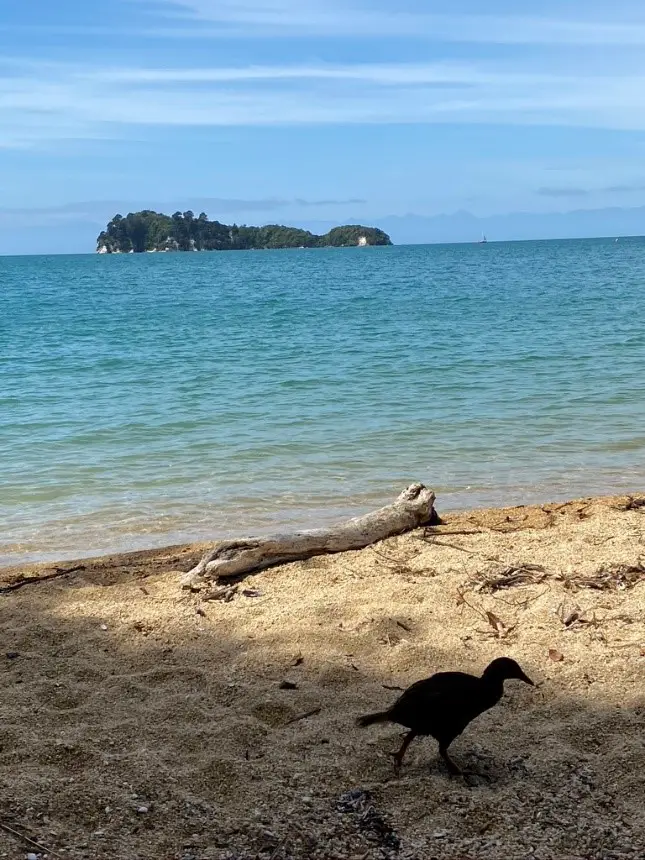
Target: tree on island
153, 231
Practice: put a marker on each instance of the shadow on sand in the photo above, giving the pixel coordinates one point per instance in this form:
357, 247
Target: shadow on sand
139, 722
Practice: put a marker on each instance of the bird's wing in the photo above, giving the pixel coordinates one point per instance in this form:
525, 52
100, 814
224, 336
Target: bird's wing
445, 689
444, 682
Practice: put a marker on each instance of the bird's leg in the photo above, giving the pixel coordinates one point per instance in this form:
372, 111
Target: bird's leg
452, 767
457, 771
398, 756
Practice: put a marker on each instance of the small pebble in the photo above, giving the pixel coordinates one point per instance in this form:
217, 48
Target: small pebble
142, 810
104, 627
12, 655
32, 856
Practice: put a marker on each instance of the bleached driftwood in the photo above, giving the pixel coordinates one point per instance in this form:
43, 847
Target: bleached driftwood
231, 558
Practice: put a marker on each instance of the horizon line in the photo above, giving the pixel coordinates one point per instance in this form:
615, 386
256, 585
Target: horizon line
343, 248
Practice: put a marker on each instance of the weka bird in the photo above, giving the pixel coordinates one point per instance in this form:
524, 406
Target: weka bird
443, 705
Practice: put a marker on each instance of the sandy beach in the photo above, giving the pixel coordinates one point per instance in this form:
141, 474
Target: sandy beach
139, 720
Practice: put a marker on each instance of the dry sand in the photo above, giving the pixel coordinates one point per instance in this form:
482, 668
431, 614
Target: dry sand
139, 721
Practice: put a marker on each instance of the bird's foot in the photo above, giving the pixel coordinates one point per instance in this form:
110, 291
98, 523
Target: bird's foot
397, 762
473, 777
470, 777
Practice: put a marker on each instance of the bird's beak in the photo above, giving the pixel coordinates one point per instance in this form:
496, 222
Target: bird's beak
526, 679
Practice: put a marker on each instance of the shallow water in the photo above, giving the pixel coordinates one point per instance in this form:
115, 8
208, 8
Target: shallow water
154, 399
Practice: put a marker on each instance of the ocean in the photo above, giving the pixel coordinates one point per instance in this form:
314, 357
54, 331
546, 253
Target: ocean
153, 399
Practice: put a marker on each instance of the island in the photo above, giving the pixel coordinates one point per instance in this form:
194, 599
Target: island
150, 231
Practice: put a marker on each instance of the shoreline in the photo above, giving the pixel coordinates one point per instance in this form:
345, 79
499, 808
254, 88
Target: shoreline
71, 537
514, 517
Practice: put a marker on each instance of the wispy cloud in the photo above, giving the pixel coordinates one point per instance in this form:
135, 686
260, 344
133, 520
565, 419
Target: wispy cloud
48, 101
385, 74
172, 75
351, 18
100, 211
51, 101
338, 19
353, 201
625, 189
563, 192
587, 192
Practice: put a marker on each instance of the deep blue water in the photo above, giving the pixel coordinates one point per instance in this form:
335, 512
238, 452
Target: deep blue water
159, 398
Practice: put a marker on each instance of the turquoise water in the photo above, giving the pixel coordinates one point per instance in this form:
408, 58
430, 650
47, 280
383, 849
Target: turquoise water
151, 399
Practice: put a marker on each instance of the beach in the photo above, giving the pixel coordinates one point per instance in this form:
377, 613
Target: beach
143, 720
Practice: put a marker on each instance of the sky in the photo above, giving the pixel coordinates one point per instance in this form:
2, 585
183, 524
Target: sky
314, 112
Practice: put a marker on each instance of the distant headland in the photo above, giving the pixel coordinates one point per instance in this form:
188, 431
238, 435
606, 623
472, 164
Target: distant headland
148, 231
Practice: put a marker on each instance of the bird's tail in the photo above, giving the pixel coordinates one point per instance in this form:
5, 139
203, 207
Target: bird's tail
371, 719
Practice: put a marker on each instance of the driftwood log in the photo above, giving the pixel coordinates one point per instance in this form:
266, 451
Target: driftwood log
233, 558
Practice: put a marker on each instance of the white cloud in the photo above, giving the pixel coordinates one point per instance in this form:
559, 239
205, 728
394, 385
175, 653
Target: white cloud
342, 18
100, 211
383, 74
54, 101
550, 84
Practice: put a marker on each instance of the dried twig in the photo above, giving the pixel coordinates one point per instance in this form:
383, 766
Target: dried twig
571, 616
510, 577
461, 601
397, 565
306, 716
500, 628
35, 580
282, 844
225, 593
524, 604
610, 577
633, 503
498, 625
429, 532
436, 542
28, 840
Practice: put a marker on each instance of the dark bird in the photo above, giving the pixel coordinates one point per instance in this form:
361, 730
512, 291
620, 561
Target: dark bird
443, 705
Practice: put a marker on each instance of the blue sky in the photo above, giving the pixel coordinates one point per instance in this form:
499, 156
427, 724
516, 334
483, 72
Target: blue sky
306, 111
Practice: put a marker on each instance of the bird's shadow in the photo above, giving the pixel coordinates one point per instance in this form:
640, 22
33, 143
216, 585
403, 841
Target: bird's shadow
480, 768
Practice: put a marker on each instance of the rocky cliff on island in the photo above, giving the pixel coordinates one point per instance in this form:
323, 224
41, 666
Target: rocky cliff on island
152, 231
